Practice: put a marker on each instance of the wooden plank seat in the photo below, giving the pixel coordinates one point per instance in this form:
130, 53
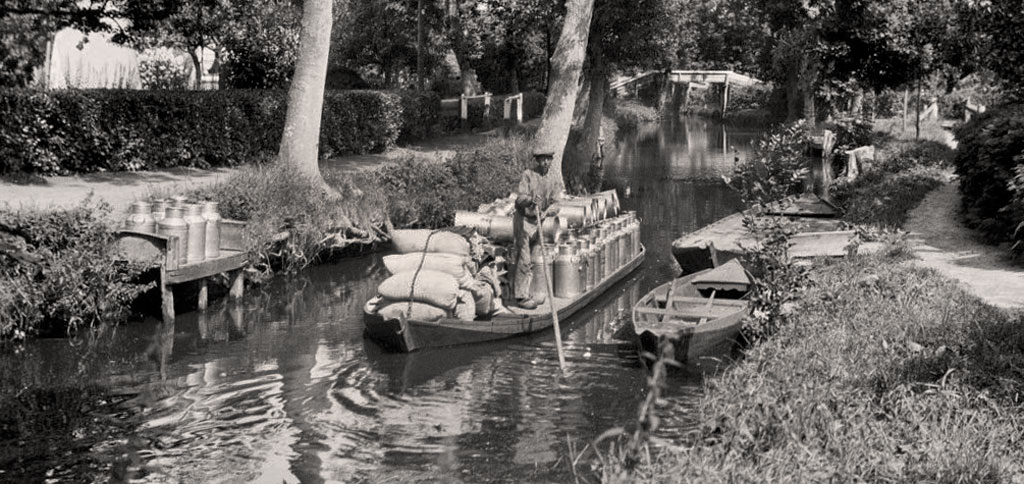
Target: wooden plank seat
690, 312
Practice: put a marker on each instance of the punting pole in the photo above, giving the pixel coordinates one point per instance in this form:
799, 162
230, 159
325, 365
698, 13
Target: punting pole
551, 292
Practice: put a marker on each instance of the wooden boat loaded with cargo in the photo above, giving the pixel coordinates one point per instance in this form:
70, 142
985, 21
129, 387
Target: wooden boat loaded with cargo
700, 314
596, 247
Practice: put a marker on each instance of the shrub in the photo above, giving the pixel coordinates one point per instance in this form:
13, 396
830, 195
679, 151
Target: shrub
420, 113
630, 114
1017, 188
533, 104
897, 156
75, 282
985, 162
111, 130
423, 193
160, 69
778, 167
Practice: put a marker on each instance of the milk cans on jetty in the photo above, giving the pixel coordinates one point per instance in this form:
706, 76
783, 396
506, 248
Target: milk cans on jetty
196, 225
589, 239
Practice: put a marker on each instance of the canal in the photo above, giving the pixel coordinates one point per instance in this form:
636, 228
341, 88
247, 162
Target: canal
283, 387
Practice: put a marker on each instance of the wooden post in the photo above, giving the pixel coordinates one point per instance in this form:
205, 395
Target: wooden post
166, 297
519, 108
204, 294
487, 104
463, 107
917, 122
906, 100
237, 284
725, 95
507, 108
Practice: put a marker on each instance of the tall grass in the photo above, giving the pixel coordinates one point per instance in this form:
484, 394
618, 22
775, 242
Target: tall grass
887, 373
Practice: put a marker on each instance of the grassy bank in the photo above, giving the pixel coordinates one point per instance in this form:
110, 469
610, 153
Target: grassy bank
885, 373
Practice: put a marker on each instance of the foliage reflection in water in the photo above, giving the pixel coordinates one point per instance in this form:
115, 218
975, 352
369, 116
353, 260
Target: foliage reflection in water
283, 386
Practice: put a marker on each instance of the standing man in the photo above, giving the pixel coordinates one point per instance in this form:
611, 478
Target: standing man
534, 197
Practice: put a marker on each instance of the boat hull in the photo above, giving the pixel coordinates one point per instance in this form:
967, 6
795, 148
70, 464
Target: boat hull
410, 335
691, 339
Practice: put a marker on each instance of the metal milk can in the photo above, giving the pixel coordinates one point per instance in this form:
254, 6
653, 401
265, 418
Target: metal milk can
174, 225
583, 264
196, 247
624, 241
213, 219
566, 273
140, 219
159, 210
538, 287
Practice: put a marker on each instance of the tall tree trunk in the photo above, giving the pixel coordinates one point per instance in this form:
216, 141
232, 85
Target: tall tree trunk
419, 45
583, 167
300, 142
809, 85
197, 64
566, 66
792, 95
906, 101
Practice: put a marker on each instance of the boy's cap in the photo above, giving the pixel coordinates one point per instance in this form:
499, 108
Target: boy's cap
543, 154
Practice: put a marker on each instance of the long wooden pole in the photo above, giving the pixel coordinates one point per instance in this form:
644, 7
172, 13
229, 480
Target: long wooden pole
551, 291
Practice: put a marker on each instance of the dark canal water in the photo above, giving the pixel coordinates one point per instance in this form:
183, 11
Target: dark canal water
283, 387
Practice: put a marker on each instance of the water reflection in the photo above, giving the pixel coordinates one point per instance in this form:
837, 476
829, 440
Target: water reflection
282, 387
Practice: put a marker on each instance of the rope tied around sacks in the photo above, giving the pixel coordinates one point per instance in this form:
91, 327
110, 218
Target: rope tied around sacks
416, 275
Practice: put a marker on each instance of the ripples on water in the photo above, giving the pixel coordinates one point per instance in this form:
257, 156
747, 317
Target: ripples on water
283, 388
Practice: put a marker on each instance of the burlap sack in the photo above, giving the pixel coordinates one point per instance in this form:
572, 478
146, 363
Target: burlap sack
432, 261
415, 240
431, 287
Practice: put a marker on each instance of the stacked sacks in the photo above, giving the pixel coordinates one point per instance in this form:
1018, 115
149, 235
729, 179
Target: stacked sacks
430, 277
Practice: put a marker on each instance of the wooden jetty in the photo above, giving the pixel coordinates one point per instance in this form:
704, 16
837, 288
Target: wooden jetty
163, 251
819, 235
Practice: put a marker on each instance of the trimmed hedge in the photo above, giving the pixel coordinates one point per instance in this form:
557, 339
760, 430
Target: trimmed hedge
985, 162
114, 130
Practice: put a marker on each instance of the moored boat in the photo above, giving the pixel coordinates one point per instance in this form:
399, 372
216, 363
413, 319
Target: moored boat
408, 335
699, 314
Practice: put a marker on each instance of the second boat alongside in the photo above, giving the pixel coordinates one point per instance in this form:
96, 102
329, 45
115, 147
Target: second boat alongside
700, 314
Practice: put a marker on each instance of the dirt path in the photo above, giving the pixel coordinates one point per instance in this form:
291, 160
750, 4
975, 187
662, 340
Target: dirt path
944, 244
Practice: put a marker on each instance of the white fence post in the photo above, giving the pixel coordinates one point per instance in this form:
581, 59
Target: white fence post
487, 104
463, 107
519, 108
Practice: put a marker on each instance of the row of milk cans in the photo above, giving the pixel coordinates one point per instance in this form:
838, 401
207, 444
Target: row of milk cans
587, 256
196, 225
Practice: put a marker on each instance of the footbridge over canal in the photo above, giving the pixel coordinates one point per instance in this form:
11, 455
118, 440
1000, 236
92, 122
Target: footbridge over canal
676, 84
